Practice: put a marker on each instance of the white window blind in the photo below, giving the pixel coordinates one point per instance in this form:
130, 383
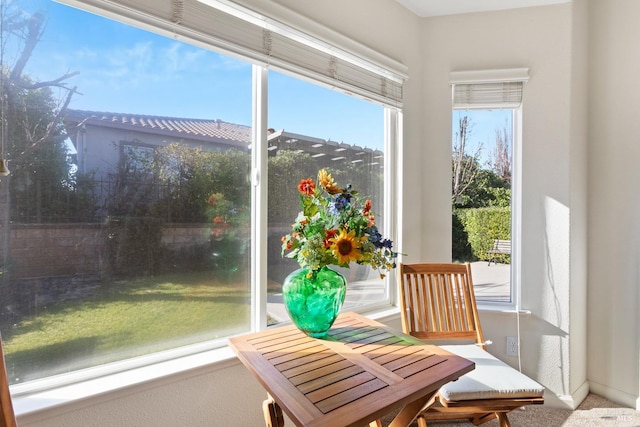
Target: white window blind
250, 35
488, 88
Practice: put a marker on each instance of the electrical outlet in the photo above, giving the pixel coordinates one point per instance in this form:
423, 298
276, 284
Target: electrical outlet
512, 346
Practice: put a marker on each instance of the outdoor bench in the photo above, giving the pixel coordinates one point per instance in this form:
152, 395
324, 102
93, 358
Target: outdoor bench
500, 247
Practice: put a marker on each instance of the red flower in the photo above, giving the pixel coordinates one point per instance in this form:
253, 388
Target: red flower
218, 219
329, 234
307, 187
367, 207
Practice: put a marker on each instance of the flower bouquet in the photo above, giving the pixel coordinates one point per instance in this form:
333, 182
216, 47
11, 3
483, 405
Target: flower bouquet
335, 227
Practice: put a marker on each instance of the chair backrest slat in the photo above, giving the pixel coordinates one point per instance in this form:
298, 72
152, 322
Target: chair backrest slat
438, 302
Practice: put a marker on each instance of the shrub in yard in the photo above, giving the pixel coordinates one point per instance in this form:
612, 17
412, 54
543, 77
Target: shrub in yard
460, 247
134, 245
483, 226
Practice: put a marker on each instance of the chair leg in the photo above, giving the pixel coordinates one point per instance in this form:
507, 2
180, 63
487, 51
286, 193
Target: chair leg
376, 423
503, 419
422, 422
272, 413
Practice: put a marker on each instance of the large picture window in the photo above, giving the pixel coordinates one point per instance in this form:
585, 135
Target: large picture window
128, 215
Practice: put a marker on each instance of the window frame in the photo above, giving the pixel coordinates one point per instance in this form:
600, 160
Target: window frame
502, 80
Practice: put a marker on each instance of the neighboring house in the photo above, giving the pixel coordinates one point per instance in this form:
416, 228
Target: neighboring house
102, 138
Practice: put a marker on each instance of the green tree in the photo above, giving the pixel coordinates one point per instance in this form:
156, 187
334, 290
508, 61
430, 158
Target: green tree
286, 169
190, 176
485, 190
479, 192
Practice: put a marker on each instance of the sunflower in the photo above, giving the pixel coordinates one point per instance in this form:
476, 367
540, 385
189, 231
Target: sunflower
346, 247
326, 181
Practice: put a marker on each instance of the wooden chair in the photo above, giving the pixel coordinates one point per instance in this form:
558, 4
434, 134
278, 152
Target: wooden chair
438, 304
7, 418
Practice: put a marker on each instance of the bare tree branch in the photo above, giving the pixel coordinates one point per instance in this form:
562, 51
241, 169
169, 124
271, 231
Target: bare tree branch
51, 83
50, 127
465, 167
502, 153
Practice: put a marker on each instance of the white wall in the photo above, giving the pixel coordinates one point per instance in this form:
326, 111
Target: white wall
553, 194
614, 198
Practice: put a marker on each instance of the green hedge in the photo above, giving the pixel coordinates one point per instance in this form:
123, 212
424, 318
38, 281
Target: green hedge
474, 231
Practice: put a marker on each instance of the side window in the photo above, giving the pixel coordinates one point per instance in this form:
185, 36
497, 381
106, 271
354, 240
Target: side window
482, 167
486, 141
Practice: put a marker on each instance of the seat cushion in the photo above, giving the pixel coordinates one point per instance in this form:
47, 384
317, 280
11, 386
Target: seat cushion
491, 379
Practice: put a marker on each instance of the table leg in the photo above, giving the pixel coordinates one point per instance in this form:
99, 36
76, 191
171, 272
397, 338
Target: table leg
272, 413
411, 411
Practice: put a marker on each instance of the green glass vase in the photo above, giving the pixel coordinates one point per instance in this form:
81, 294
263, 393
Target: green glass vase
313, 303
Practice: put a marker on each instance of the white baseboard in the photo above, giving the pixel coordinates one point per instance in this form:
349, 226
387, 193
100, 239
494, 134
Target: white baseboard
566, 401
614, 395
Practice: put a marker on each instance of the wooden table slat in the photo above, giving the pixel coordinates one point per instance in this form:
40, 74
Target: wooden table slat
356, 334
409, 359
387, 360
419, 366
307, 363
370, 338
327, 378
375, 352
263, 344
391, 351
347, 396
338, 387
270, 336
294, 352
381, 345
283, 343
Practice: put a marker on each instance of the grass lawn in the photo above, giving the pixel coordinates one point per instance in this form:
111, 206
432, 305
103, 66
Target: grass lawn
125, 319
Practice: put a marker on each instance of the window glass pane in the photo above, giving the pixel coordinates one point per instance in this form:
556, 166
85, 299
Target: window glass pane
314, 128
125, 219
481, 199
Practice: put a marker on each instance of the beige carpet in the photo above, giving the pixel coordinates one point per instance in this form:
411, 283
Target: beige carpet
594, 411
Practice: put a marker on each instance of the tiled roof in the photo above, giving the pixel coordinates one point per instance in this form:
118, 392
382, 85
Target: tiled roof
231, 134
177, 126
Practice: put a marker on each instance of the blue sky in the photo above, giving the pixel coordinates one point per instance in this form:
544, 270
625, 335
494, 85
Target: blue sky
482, 130
128, 70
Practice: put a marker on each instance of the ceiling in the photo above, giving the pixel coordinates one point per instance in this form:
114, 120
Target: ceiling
425, 8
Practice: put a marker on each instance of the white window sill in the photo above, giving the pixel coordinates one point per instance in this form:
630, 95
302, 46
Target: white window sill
502, 310
25, 402
38, 396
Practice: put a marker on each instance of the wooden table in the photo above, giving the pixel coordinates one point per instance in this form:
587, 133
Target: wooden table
360, 372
